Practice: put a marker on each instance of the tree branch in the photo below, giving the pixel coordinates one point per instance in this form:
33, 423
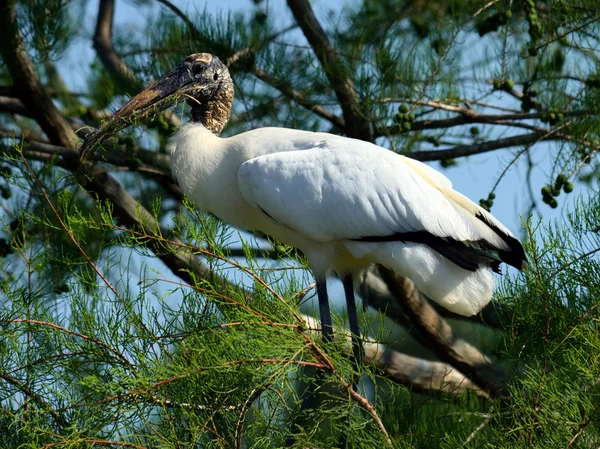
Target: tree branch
469, 118
375, 293
431, 329
484, 147
355, 124
104, 47
419, 374
298, 97
111, 61
13, 106
25, 79
23, 388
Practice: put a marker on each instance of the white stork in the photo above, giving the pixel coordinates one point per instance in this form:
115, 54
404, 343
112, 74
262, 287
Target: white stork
344, 203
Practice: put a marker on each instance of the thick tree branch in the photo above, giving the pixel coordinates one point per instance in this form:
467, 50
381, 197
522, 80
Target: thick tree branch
484, 147
374, 293
25, 78
431, 329
104, 47
419, 374
355, 123
13, 106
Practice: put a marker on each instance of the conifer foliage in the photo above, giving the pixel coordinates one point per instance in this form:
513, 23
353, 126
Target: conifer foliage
130, 319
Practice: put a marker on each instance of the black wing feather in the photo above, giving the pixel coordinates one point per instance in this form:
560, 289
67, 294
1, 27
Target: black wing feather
466, 254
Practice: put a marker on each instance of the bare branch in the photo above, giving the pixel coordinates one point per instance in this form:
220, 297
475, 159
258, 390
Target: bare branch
25, 78
104, 47
419, 374
249, 51
111, 61
355, 124
375, 293
435, 333
298, 97
484, 147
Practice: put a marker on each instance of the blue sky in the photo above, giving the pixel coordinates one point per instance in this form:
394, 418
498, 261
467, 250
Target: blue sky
474, 176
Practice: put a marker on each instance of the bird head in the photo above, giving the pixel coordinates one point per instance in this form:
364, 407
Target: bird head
201, 79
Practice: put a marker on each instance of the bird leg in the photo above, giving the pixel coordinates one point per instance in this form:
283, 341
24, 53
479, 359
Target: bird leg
324, 312
357, 349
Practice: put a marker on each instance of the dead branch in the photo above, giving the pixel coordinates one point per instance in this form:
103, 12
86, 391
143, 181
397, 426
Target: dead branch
419, 374
431, 329
374, 293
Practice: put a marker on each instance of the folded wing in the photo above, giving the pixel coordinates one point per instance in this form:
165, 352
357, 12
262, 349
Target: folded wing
345, 189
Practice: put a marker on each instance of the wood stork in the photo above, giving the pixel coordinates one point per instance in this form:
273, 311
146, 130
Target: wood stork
344, 203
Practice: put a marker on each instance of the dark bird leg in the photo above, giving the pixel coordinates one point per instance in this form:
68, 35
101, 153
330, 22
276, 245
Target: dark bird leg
324, 312
357, 349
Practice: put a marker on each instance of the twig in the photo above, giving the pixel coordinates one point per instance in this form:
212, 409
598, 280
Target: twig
584, 425
486, 419
77, 334
255, 394
60, 419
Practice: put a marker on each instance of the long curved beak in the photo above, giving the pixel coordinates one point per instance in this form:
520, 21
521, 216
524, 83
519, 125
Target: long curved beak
158, 96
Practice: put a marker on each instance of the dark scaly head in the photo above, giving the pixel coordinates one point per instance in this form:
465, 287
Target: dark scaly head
200, 79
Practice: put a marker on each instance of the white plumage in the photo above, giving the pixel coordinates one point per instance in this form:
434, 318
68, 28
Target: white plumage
324, 194
344, 203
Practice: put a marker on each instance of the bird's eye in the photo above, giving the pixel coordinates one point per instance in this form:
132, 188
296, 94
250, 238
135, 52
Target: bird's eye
215, 77
197, 69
